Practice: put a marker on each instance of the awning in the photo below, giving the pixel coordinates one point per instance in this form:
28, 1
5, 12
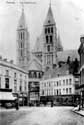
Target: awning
82, 67
7, 96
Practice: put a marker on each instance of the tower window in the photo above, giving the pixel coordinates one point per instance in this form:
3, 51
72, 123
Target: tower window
48, 30
46, 39
45, 30
51, 39
51, 29
48, 48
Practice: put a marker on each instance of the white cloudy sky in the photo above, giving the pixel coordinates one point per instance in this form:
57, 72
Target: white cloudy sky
68, 14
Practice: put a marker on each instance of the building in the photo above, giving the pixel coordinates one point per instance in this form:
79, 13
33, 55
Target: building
59, 86
81, 54
35, 74
49, 42
46, 54
23, 52
14, 78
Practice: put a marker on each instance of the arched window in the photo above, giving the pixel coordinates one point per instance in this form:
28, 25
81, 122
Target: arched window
48, 30
48, 48
21, 35
51, 29
46, 39
51, 40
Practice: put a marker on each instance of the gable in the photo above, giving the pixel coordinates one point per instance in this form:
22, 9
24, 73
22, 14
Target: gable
35, 65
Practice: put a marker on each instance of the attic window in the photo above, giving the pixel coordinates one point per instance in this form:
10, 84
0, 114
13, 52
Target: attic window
48, 21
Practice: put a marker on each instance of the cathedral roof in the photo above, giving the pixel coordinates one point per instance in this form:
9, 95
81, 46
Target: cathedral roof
63, 55
50, 18
22, 22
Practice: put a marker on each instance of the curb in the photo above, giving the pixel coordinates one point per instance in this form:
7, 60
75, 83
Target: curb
78, 113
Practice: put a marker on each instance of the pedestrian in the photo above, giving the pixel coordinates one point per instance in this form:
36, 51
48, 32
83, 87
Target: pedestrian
17, 104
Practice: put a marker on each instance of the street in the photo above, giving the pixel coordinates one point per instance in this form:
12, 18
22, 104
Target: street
42, 116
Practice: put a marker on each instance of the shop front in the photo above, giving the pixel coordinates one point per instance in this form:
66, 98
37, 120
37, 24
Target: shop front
6, 97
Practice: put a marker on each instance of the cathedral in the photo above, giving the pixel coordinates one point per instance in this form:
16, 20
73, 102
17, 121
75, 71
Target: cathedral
45, 56
47, 45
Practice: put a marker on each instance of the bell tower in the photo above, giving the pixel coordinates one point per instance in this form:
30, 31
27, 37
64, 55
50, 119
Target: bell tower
50, 41
23, 53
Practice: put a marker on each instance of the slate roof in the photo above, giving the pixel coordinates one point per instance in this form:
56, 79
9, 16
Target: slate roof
52, 73
63, 55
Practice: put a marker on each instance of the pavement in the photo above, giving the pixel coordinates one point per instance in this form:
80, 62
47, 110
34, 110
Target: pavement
79, 112
59, 115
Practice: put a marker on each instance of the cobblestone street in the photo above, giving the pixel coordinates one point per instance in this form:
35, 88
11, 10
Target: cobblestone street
41, 116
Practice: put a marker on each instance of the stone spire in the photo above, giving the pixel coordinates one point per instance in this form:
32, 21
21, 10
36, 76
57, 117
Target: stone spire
50, 18
22, 22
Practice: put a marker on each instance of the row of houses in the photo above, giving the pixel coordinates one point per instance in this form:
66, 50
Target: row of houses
35, 85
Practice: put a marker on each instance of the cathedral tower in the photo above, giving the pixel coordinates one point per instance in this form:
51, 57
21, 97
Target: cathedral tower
23, 54
50, 41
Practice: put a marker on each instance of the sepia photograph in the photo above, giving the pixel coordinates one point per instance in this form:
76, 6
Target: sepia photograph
41, 62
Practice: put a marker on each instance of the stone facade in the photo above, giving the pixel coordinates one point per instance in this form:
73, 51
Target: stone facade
35, 74
12, 77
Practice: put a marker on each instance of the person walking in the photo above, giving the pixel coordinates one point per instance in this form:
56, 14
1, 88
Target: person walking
17, 104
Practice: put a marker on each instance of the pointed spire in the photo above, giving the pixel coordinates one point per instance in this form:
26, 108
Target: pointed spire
50, 18
60, 47
22, 22
50, 3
